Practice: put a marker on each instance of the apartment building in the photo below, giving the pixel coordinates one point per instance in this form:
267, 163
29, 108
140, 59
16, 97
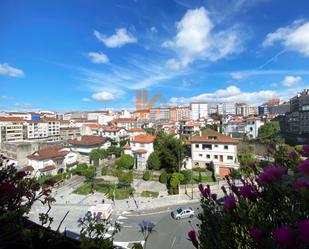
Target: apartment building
12, 129
226, 109
22, 115
213, 148
126, 123
198, 110
67, 133
53, 129
159, 114
180, 113
37, 129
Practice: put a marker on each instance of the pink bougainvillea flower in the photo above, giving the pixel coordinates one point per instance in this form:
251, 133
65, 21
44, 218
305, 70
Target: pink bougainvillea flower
271, 175
301, 183
283, 236
214, 196
303, 231
193, 238
7, 188
304, 167
201, 188
252, 166
206, 191
20, 175
305, 151
229, 202
293, 155
248, 192
257, 235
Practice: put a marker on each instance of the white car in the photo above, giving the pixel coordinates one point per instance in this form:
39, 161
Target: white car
183, 212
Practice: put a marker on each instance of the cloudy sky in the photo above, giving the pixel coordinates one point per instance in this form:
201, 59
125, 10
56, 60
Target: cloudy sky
69, 55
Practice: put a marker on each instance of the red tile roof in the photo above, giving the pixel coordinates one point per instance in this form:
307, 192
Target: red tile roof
88, 140
50, 152
252, 118
135, 130
143, 139
124, 120
48, 168
95, 126
211, 136
11, 119
140, 151
112, 128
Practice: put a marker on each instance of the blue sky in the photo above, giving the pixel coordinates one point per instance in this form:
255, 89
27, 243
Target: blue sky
70, 55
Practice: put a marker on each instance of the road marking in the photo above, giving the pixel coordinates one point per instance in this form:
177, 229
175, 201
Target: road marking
122, 218
173, 242
127, 226
125, 212
141, 214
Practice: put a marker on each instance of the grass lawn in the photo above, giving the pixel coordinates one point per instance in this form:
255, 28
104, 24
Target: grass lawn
204, 178
108, 189
149, 194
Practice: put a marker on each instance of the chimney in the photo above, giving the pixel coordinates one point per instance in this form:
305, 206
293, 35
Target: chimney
200, 133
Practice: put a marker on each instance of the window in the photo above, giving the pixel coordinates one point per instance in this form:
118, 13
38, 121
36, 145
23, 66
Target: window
200, 155
216, 156
229, 157
251, 129
208, 156
226, 147
216, 146
207, 146
142, 145
197, 146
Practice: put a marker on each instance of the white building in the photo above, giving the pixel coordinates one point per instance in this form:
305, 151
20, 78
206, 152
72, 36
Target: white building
114, 133
85, 144
140, 148
217, 149
37, 129
198, 110
52, 160
23, 115
252, 127
226, 109
126, 123
53, 129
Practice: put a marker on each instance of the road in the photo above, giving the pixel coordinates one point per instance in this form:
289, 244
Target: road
168, 233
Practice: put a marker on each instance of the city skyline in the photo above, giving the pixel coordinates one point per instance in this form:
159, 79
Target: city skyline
81, 57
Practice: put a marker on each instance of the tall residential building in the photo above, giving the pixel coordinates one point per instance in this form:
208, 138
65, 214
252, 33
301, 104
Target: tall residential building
226, 108
199, 110
159, 114
11, 129
180, 113
37, 129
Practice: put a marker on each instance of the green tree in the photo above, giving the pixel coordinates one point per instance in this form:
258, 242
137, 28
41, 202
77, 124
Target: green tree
282, 156
176, 179
146, 175
150, 131
163, 177
123, 142
125, 177
117, 151
188, 174
269, 133
154, 160
125, 162
245, 160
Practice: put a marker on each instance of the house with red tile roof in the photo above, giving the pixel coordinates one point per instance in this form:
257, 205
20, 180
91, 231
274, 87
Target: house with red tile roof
213, 148
126, 123
85, 144
140, 147
114, 132
136, 131
52, 160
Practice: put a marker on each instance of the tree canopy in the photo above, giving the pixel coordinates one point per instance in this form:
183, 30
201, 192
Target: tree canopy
125, 162
154, 160
269, 133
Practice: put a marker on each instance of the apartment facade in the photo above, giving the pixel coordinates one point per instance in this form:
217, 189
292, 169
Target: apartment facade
180, 113
159, 114
12, 129
198, 110
215, 149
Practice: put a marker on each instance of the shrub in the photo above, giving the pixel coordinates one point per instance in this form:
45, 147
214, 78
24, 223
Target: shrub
125, 177
125, 162
268, 210
188, 174
104, 171
163, 177
153, 161
146, 176
149, 194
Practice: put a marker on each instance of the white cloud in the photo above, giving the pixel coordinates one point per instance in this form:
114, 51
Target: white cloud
294, 37
98, 58
232, 94
195, 39
153, 29
85, 99
120, 38
291, 80
238, 75
103, 96
23, 106
6, 69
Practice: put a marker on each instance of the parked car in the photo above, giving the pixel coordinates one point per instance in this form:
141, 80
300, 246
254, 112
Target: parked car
183, 212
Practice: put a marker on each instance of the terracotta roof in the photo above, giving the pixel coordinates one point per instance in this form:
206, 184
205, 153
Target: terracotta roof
51, 119
50, 152
88, 140
124, 120
140, 151
11, 119
68, 128
95, 126
212, 136
192, 124
253, 118
135, 130
48, 168
84, 121
112, 128
143, 139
